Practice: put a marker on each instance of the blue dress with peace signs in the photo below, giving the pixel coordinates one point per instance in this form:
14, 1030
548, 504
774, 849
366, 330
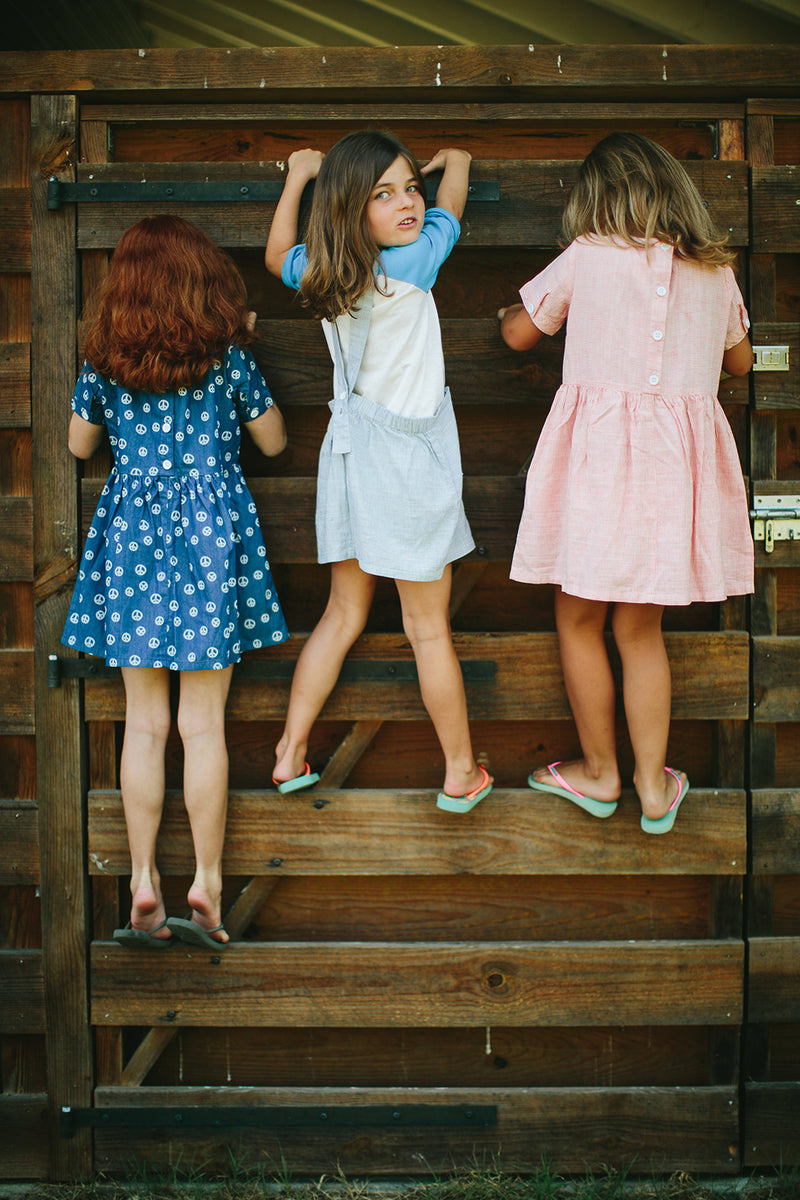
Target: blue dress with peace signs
174, 572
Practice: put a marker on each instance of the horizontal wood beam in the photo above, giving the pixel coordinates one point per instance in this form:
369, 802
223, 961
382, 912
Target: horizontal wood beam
19, 837
774, 971
775, 833
430, 72
660, 1129
370, 832
776, 676
16, 694
421, 984
15, 385
24, 1121
776, 229
351, 110
21, 992
771, 1127
16, 539
710, 681
511, 221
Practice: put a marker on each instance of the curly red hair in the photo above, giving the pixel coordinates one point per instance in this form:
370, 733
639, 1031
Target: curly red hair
171, 304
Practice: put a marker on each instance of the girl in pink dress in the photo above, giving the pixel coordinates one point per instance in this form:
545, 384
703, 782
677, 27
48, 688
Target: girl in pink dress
635, 496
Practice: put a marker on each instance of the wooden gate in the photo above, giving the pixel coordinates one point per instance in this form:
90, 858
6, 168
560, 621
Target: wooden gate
407, 989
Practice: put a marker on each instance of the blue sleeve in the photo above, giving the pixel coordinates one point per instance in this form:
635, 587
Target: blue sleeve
87, 399
419, 263
293, 266
250, 392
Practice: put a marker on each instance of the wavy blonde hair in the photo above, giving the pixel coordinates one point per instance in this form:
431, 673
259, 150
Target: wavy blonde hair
341, 251
631, 188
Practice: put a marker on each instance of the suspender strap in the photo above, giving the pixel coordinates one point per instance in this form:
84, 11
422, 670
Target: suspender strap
345, 381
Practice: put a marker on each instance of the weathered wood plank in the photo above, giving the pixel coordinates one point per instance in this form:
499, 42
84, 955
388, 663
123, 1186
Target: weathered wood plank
15, 385
773, 993
16, 695
19, 837
511, 221
776, 678
435, 983
367, 832
21, 992
350, 111
774, 209
710, 673
653, 73
58, 716
776, 831
771, 1126
23, 1119
16, 539
660, 1129
15, 221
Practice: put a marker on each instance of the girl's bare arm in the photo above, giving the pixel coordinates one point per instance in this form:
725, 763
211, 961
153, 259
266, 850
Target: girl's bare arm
452, 191
303, 166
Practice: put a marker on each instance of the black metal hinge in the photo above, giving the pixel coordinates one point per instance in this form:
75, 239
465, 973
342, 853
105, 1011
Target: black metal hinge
280, 1117
357, 671
198, 192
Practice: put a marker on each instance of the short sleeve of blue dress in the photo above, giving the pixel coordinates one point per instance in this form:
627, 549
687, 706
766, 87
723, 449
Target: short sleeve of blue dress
174, 571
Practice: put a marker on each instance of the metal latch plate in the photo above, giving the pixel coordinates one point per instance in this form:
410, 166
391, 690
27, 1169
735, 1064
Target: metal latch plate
776, 519
771, 358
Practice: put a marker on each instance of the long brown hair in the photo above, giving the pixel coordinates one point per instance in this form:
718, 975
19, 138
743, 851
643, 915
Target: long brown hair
171, 304
341, 251
631, 188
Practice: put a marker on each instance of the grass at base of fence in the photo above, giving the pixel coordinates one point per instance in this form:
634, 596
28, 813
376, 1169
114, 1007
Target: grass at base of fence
479, 1182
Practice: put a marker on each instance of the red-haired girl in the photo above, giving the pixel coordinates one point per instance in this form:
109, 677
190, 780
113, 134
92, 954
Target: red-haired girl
174, 575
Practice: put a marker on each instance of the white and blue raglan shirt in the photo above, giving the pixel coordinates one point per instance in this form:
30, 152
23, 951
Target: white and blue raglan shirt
403, 363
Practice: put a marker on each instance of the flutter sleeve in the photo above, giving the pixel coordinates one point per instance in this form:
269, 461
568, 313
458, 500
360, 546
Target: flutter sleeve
547, 296
250, 392
738, 320
87, 399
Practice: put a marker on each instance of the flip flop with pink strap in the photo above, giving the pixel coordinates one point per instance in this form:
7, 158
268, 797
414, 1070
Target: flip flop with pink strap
468, 801
598, 808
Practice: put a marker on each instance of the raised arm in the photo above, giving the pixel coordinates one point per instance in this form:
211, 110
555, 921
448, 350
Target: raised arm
303, 166
452, 191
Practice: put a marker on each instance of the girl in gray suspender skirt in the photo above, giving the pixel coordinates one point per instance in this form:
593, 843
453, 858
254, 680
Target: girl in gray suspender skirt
389, 484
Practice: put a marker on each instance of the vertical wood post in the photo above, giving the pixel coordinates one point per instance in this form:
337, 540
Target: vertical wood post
57, 711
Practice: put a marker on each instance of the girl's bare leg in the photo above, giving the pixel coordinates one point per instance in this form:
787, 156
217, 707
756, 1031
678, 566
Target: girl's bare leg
426, 620
647, 690
147, 723
321, 661
201, 724
590, 688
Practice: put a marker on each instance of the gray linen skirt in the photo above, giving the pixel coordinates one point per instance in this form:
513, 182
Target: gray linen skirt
394, 501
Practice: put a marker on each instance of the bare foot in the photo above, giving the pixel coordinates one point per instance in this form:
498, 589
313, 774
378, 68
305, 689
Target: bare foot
462, 783
605, 785
289, 761
206, 912
656, 801
147, 911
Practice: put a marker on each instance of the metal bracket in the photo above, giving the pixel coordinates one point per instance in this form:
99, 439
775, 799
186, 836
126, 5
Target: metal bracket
776, 519
280, 1117
771, 358
396, 670
199, 191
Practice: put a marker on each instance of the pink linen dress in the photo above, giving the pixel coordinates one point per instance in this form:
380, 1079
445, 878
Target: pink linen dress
635, 492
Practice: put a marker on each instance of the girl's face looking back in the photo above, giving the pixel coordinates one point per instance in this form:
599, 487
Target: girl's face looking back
396, 208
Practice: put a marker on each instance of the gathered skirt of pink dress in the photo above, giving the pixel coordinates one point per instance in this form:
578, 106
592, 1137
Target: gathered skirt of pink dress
636, 498
635, 492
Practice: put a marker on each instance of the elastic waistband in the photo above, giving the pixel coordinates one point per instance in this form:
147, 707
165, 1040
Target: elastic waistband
378, 414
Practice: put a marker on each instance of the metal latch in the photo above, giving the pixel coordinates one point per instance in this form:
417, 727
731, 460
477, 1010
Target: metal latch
771, 358
776, 519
